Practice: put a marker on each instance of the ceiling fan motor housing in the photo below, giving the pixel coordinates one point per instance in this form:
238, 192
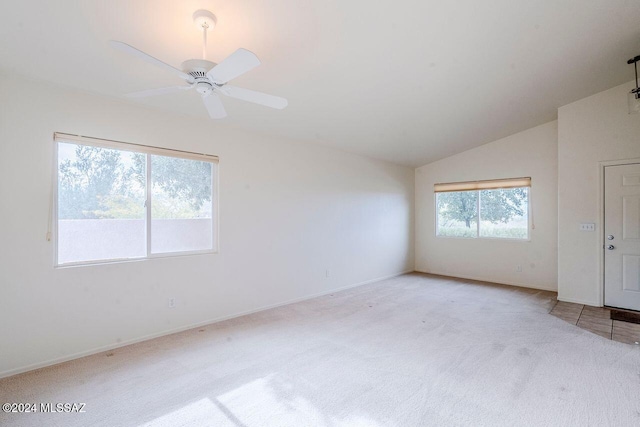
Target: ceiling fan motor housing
198, 68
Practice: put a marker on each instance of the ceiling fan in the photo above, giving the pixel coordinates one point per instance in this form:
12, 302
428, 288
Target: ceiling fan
208, 78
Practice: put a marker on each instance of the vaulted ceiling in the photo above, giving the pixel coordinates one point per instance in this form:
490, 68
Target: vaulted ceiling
409, 81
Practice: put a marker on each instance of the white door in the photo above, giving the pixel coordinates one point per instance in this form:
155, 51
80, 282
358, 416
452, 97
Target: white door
622, 236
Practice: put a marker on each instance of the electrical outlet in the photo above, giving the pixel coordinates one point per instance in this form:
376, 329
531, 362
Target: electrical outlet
519, 269
327, 273
589, 226
172, 303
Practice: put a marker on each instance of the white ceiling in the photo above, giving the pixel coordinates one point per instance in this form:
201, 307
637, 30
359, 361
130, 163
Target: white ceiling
405, 81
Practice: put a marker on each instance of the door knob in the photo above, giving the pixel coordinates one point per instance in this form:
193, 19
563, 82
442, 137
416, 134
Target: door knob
610, 237
611, 247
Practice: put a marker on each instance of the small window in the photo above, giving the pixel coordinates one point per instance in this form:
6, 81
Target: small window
118, 201
483, 209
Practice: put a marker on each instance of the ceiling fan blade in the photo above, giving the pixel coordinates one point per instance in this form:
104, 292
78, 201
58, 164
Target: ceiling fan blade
236, 64
123, 47
158, 91
255, 97
214, 106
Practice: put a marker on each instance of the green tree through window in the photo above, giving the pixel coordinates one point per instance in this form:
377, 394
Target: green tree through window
95, 183
503, 213
105, 183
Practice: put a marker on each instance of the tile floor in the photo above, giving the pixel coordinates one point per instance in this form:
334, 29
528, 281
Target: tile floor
598, 321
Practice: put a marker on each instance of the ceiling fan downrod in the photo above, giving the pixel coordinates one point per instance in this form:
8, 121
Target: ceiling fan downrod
205, 27
205, 21
634, 61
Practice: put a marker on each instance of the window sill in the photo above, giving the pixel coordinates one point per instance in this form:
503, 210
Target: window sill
501, 239
129, 260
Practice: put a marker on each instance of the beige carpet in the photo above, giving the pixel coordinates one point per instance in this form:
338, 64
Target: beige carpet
416, 350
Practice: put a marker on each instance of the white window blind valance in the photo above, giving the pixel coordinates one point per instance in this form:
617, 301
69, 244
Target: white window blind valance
127, 146
491, 184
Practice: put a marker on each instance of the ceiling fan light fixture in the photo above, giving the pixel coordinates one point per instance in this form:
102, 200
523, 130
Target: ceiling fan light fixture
633, 97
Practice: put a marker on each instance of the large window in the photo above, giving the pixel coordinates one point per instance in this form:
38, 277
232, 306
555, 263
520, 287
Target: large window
118, 201
486, 209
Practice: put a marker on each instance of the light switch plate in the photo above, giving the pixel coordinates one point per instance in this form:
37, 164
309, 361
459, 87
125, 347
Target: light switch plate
589, 226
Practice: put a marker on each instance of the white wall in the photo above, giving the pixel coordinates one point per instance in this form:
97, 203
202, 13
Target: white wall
289, 211
594, 129
530, 153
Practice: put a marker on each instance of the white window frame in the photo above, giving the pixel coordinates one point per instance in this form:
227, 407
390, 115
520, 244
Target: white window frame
530, 225
148, 151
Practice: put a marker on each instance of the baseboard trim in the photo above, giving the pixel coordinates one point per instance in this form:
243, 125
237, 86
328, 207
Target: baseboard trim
78, 355
484, 279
